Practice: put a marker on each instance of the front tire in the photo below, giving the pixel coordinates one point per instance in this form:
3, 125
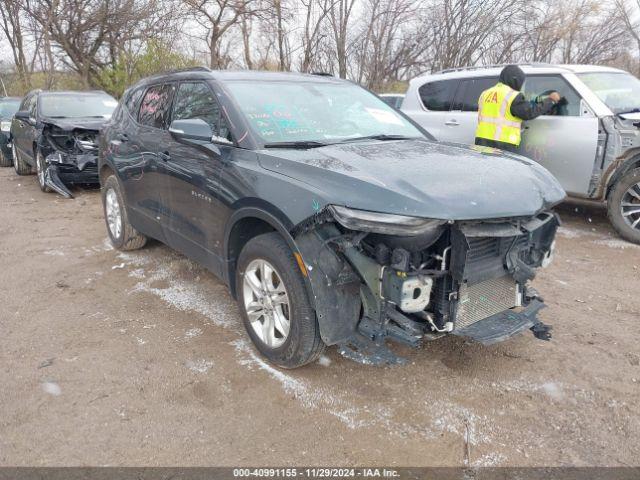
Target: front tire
274, 304
20, 166
121, 233
623, 206
41, 167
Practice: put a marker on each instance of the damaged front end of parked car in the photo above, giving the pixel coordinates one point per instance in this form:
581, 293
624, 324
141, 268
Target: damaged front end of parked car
388, 276
69, 155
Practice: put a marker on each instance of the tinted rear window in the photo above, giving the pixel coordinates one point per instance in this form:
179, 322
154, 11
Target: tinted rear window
469, 92
155, 106
437, 95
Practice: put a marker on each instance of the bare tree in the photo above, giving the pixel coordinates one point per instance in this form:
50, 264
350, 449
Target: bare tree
315, 15
12, 17
217, 18
340, 13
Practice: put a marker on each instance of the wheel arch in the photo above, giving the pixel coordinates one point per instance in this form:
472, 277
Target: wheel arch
248, 222
621, 166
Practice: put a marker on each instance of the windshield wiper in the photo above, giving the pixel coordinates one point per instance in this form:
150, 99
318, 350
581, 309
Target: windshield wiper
634, 110
301, 144
379, 136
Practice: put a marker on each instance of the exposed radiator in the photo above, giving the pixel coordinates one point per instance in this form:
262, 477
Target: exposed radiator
485, 299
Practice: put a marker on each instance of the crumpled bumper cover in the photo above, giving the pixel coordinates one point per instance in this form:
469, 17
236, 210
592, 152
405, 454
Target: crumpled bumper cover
67, 169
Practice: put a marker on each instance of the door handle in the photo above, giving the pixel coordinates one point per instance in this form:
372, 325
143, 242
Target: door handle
452, 122
164, 156
123, 137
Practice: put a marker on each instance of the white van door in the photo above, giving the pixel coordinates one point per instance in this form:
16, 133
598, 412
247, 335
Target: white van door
564, 143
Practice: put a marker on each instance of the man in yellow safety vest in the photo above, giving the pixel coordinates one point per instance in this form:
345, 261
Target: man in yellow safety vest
502, 108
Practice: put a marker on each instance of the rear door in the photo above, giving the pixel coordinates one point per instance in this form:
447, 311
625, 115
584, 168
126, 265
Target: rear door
434, 114
565, 143
464, 108
21, 129
146, 170
193, 174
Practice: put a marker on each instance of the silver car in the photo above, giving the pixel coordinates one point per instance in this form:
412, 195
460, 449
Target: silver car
591, 142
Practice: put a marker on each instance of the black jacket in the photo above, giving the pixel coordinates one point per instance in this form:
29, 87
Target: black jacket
513, 76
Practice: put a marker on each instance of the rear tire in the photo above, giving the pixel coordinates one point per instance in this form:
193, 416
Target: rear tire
21, 167
623, 206
121, 233
4, 160
263, 297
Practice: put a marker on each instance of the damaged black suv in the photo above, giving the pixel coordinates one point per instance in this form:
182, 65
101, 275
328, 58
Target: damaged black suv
56, 134
333, 218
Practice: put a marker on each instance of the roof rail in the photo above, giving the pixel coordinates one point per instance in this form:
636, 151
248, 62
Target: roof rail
497, 65
198, 68
322, 74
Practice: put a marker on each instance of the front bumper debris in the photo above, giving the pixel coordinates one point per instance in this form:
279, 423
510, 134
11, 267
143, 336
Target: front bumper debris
67, 169
503, 325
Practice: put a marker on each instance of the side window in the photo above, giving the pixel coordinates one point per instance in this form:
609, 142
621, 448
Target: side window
154, 109
468, 93
536, 86
437, 95
196, 100
132, 100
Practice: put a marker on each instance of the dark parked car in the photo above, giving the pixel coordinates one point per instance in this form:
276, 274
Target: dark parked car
8, 107
333, 218
56, 133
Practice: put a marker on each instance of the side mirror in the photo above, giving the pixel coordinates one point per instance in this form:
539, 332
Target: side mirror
22, 115
191, 129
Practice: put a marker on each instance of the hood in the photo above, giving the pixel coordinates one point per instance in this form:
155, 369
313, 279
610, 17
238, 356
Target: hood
90, 123
421, 178
513, 76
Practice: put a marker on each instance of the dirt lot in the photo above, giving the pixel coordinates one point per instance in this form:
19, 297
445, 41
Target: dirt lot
140, 359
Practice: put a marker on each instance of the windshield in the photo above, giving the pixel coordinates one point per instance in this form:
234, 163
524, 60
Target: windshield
8, 107
619, 91
75, 106
320, 112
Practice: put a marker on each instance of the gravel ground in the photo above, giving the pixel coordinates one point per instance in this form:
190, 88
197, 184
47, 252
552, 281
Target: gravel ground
139, 358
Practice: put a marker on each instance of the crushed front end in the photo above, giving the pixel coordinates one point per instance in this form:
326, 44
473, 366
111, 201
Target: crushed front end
70, 156
381, 277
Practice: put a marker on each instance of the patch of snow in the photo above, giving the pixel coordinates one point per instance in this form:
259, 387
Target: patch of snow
616, 243
137, 273
199, 366
324, 361
187, 296
52, 388
457, 419
118, 266
553, 389
489, 460
193, 332
55, 253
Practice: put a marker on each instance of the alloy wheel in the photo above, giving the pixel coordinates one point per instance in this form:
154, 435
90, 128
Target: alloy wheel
630, 206
15, 157
266, 303
113, 213
40, 169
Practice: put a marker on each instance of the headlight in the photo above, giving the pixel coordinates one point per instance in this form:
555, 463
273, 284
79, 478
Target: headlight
5, 125
384, 223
